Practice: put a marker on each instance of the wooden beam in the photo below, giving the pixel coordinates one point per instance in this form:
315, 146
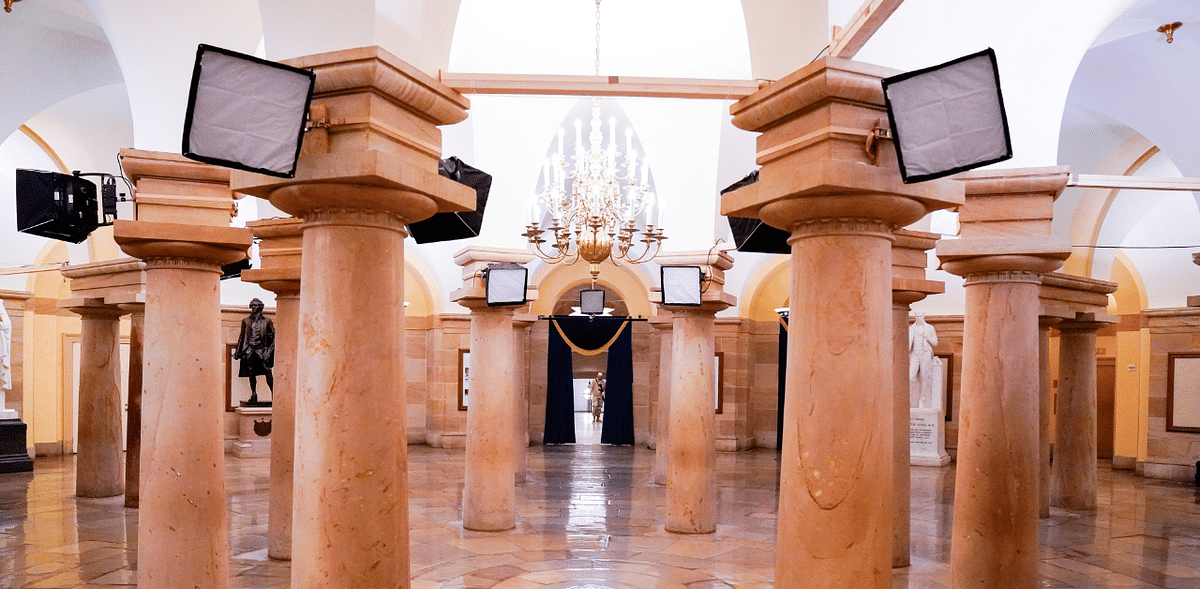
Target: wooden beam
30, 269
524, 84
849, 39
1132, 182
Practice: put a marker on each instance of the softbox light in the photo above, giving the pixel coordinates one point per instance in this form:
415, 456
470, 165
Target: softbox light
681, 285
58, 206
591, 302
948, 118
246, 113
752, 235
452, 226
505, 285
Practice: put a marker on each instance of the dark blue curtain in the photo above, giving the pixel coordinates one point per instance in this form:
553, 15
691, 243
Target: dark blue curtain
783, 345
618, 392
560, 393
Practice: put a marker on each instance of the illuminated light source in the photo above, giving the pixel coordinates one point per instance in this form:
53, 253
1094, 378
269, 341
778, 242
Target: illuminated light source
681, 285
246, 113
948, 118
505, 284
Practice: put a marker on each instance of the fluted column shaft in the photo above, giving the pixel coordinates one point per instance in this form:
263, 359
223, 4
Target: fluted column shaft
835, 504
995, 542
133, 419
183, 536
351, 454
489, 494
691, 446
98, 467
1074, 485
283, 425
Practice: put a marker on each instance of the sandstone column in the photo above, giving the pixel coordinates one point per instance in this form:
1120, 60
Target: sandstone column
1004, 249
908, 286
691, 443
356, 193
1044, 412
521, 327
98, 466
182, 233
1074, 477
818, 183
133, 417
662, 432
489, 492
280, 252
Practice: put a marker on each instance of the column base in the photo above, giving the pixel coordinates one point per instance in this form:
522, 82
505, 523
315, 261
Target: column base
13, 455
927, 438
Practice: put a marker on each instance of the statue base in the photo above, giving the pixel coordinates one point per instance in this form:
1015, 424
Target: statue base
255, 404
254, 431
14, 457
927, 438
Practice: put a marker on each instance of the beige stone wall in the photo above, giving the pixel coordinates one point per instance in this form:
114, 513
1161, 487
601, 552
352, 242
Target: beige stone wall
763, 366
445, 424
1170, 455
736, 343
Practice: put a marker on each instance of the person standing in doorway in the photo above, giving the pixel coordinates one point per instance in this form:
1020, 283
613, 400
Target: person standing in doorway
597, 391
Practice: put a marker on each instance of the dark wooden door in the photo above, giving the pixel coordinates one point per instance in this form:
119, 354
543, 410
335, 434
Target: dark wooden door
1106, 387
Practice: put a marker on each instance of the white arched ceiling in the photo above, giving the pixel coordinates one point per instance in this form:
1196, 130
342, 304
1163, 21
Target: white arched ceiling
155, 44
51, 50
1170, 218
1038, 46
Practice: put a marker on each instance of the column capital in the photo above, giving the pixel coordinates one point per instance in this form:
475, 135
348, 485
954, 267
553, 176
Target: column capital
1086, 323
909, 259
89, 308
474, 260
381, 148
112, 282
175, 189
280, 250
814, 126
214, 245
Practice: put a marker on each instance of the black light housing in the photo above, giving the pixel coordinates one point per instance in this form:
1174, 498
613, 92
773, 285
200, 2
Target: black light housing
752, 235
246, 113
591, 301
63, 206
452, 226
505, 284
681, 285
948, 118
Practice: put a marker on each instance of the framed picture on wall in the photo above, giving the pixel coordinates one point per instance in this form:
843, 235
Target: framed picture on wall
948, 384
1183, 392
464, 379
719, 377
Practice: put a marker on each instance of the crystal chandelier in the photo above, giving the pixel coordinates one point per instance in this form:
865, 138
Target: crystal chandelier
597, 220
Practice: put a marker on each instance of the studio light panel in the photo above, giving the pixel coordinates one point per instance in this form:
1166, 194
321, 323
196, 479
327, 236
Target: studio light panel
948, 118
506, 285
681, 285
591, 301
246, 113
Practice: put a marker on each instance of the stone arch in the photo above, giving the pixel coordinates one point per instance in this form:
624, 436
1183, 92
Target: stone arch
769, 289
554, 281
420, 289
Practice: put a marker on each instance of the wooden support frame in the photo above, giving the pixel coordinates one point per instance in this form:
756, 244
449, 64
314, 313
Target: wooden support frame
542, 85
867, 19
1132, 182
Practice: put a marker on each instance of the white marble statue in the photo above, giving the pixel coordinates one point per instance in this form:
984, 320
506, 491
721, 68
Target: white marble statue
5, 362
922, 373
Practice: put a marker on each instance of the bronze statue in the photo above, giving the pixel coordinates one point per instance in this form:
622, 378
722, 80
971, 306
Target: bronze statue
256, 350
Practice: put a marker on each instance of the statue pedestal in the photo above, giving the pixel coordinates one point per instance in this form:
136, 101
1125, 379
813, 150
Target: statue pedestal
8, 414
254, 432
927, 438
14, 457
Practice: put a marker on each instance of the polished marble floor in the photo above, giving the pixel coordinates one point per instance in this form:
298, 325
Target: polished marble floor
589, 517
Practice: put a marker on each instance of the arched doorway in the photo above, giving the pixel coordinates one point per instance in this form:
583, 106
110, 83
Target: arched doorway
580, 351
